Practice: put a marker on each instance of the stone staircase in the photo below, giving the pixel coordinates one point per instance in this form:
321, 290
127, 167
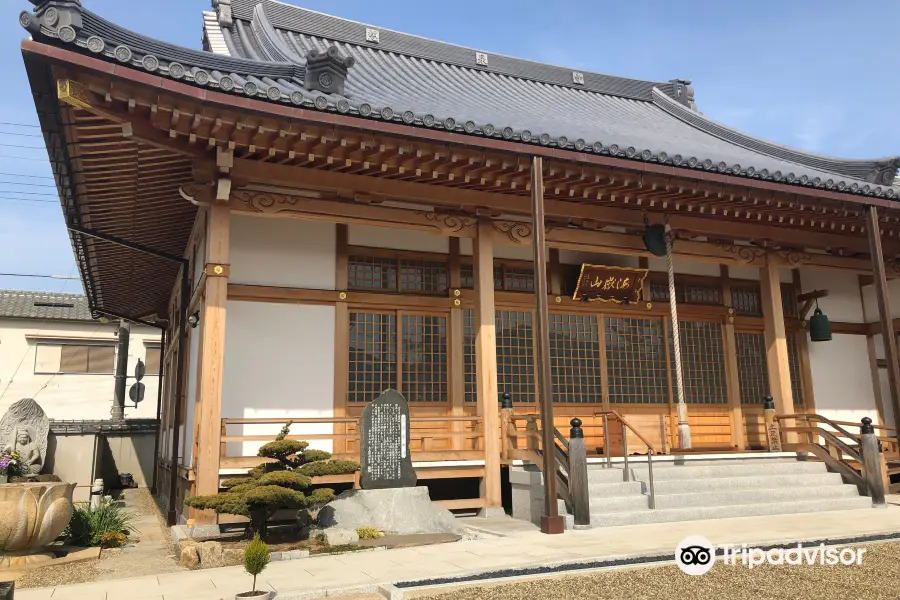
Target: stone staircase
698, 490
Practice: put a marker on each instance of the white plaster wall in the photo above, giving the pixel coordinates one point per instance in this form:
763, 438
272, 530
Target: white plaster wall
501, 251
397, 239
886, 398
687, 267
279, 362
282, 252
68, 395
842, 380
843, 302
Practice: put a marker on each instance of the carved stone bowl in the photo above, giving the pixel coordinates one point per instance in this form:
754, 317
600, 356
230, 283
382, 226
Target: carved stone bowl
33, 514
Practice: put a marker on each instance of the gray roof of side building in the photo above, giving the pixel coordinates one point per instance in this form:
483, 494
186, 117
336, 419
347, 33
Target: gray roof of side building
50, 306
417, 82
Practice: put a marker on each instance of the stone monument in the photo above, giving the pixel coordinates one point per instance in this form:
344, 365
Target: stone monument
389, 499
24, 429
385, 460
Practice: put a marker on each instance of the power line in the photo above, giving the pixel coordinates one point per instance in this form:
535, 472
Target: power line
49, 185
6, 199
34, 135
31, 176
32, 275
2, 145
26, 193
18, 124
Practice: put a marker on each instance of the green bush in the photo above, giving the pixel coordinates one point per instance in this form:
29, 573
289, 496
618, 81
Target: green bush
275, 485
88, 527
256, 557
368, 533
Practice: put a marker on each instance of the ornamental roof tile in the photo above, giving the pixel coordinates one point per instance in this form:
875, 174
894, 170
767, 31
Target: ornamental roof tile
259, 48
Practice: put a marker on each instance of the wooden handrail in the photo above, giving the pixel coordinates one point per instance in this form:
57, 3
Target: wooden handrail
820, 419
624, 422
874, 426
327, 420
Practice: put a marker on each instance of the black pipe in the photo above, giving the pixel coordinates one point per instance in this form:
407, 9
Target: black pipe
159, 427
118, 409
125, 243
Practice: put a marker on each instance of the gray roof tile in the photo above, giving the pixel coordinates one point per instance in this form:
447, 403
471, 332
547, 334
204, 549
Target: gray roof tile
22, 304
422, 82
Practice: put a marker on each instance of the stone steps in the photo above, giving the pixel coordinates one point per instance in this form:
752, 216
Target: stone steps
684, 486
668, 472
697, 513
753, 496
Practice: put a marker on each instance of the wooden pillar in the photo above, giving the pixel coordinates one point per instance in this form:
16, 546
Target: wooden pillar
551, 521
486, 363
776, 339
809, 398
341, 339
554, 272
738, 439
456, 353
884, 311
211, 358
873, 356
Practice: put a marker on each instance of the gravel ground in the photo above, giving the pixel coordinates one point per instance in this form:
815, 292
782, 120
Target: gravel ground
150, 554
878, 578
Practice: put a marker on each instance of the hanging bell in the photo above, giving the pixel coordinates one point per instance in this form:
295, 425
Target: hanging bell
655, 239
819, 327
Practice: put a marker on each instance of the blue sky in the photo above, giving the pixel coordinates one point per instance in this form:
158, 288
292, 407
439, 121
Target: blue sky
819, 75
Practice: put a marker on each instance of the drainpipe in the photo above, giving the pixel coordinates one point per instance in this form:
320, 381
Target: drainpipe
159, 428
118, 409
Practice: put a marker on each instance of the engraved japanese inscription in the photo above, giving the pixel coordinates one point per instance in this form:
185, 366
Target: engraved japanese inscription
384, 443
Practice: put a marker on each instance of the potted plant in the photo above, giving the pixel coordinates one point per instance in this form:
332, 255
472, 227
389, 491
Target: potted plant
256, 557
9, 465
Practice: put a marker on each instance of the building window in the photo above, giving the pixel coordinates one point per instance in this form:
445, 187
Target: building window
753, 374
515, 354
794, 368
469, 355
686, 292
636, 357
75, 358
395, 274
702, 363
152, 359
507, 277
575, 358
746, 298
376, 358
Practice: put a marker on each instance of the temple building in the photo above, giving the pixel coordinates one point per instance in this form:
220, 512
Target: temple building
315, 210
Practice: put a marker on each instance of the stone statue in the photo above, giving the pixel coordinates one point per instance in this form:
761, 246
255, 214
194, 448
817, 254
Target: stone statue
24, 429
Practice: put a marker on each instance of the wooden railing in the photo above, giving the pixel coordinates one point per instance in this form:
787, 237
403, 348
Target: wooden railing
859, 456
433, 439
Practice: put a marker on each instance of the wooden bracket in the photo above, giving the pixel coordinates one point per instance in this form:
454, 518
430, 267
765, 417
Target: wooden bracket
807, 299
214, 270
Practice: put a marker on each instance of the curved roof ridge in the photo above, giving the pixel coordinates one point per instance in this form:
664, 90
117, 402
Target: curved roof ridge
288, 17
876, 170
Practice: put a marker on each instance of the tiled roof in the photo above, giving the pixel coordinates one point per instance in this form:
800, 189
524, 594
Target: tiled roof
424, 83
20, 304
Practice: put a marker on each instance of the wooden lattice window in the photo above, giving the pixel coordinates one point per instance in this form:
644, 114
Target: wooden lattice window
636, 359
373, 355
575, 358
687, 292
397, 274
746, 297
702, 362
515, 354
376, 358
469, 355
507, 278
753, 372
794, 368
423, 367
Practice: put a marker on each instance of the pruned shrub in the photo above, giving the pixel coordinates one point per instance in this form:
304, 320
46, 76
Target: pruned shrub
368, 533
272, 486
256, 558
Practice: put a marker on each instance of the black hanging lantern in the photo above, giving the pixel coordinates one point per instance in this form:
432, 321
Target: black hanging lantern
655, 239
819, 326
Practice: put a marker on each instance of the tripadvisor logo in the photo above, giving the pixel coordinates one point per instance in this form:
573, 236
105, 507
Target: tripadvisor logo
695, 555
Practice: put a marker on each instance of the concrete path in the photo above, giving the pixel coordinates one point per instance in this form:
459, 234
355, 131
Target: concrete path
520, 545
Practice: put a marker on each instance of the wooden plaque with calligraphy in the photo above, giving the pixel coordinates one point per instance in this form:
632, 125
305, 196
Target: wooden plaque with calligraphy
621, 285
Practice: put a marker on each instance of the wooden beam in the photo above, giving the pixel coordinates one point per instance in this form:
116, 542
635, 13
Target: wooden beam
809, 397
889, 339
247, 171
874, 363
738, 439
212, 319
486, 361
341, 334
456, 350
776, 340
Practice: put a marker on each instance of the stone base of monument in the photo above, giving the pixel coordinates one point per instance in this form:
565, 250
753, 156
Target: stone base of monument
25, 560
392, 510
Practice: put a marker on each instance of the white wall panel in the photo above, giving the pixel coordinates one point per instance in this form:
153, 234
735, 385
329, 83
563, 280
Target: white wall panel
842, 380
843, 302
397, 239
279, 362
282, 252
